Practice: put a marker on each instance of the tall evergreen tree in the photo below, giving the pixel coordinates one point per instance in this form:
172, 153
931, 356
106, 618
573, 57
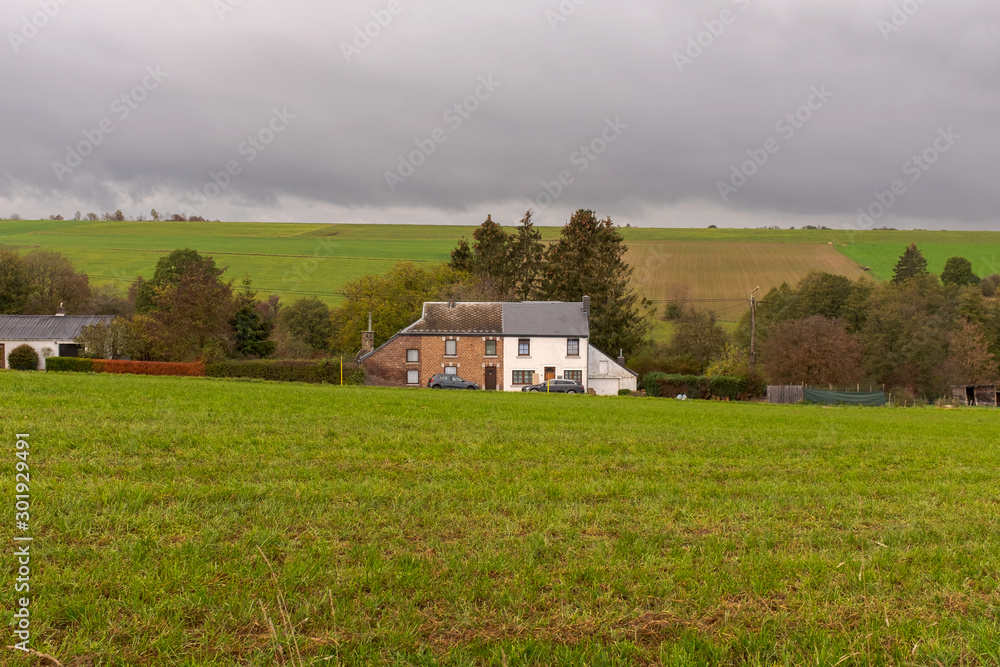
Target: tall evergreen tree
491, 254
911, 263
461, 256
526, 254
252, 332
589, 260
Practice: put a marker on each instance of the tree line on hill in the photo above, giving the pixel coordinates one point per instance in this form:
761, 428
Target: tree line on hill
119, 216
186, 310
917, 334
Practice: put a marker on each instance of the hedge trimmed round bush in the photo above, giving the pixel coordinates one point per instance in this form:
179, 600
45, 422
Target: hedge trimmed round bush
23, 358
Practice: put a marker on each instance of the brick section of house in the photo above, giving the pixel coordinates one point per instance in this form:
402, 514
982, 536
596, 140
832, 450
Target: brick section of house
388, 367
470, 359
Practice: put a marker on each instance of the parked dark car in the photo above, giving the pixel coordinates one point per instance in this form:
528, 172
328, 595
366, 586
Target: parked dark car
445, 381
558, 387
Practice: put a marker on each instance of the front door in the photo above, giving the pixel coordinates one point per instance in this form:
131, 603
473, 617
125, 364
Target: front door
491, 378
550, 373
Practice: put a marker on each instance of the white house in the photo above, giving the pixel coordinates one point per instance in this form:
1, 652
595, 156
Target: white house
49, 335
545, 340
607, 376
500, 346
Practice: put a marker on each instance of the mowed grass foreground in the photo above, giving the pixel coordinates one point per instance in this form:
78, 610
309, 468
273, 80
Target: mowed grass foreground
458, 528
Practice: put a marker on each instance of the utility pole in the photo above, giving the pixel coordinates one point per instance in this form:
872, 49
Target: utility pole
753, 329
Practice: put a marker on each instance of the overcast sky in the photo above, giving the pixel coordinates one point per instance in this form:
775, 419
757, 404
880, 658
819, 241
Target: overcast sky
656, 112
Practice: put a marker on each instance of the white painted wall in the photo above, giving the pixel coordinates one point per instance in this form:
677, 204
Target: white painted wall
544, 352
43, 348
606, 376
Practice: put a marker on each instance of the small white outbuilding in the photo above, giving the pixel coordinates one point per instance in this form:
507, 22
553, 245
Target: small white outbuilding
607, 376
49, 335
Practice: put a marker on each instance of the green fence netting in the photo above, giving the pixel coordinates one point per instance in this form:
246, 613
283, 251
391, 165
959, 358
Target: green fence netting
873, 398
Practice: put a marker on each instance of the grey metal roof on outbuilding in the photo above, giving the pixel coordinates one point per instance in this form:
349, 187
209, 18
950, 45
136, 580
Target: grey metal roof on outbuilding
46, 327
545, 318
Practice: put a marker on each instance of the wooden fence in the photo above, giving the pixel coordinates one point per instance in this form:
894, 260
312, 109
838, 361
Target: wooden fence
785, 394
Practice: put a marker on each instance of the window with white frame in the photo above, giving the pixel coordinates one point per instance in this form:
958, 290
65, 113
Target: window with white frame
450, 370
412, 377
412, 356
450, 348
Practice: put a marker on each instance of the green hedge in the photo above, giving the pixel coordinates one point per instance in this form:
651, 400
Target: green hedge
322, 371
698, 386
69, 364
651, 382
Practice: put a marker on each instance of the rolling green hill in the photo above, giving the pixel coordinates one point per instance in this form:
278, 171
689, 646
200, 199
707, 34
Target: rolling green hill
717, 266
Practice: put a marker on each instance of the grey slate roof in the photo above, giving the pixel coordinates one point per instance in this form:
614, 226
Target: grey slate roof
46, 327
545, 318
462, 318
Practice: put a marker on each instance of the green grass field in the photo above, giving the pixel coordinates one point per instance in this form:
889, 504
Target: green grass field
208, 522
718, 266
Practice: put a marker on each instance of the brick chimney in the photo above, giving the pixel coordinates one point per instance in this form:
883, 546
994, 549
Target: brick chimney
367, 339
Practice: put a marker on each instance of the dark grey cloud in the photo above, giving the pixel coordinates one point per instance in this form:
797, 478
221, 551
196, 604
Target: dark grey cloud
694, 90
